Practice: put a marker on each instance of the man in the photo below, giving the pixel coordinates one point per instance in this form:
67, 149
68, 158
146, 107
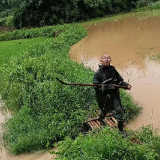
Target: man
109, 99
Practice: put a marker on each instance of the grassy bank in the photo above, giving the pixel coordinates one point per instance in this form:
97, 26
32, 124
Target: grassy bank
44, 110
110, 145
140, 14
10, 49
25, 33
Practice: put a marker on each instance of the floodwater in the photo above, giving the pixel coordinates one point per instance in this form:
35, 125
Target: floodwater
131, 44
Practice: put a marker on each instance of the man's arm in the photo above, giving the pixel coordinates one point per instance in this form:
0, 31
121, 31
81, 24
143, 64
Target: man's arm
97, 80
120, 81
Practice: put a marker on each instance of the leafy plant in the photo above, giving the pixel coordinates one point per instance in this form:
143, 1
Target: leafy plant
105, 144
40, 12
29, 81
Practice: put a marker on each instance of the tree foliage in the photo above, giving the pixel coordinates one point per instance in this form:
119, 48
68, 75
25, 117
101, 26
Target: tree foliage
33, 13
5, 8
49, 12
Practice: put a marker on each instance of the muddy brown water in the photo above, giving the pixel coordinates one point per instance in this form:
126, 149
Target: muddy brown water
130, 42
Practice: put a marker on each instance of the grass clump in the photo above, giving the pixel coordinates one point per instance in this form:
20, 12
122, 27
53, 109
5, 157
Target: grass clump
106, 144
154, 57
150, 138
131, 108
46, 111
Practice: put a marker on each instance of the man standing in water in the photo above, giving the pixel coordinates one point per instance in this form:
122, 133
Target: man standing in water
109, 99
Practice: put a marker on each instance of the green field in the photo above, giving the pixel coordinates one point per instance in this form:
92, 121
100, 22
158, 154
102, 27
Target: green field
10, 49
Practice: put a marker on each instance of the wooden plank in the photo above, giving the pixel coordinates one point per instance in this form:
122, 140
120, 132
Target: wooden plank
114, 125
106, 120
96, 125
116, 122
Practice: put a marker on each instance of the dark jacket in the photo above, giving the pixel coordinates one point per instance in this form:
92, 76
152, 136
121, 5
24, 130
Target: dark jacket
105, 73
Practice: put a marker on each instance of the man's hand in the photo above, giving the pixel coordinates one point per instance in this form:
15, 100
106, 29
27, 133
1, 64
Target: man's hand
129, 87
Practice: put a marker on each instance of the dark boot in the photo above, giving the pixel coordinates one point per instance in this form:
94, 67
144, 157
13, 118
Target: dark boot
101, 117
121, 131
120, 125
102, 122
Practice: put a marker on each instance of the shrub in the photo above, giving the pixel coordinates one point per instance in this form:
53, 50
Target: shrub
106, 144
40, 13
150, 138
144, 3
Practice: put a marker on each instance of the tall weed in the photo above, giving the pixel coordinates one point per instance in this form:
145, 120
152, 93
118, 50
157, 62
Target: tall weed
150, 138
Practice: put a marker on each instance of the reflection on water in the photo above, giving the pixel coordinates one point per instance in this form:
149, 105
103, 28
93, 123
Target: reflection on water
129, 42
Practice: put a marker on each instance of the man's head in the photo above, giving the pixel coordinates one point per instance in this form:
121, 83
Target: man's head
106, 59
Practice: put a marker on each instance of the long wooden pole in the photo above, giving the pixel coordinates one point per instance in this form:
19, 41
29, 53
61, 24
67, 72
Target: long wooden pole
82, 84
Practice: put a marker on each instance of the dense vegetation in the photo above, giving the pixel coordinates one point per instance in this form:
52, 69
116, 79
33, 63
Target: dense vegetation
148, 5
110, 145
44, 110
33, 33
41, 12
24, 13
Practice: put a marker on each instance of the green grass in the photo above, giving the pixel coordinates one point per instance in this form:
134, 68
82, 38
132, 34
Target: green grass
140, 14
110, 145
150, 7
10, 49
47, 111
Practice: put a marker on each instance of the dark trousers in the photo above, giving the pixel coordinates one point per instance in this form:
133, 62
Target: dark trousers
110, 103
